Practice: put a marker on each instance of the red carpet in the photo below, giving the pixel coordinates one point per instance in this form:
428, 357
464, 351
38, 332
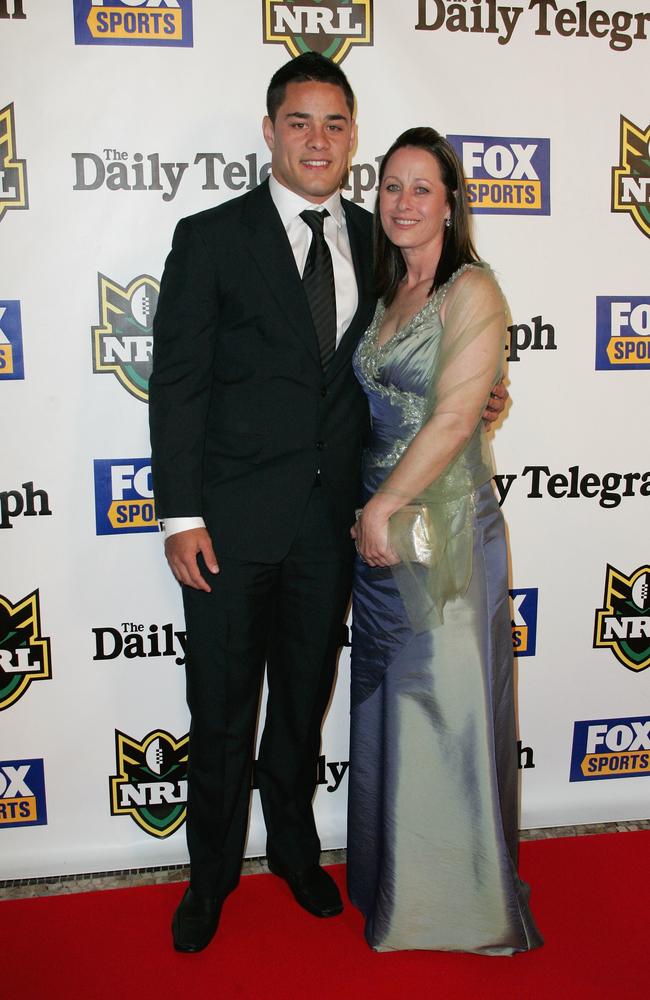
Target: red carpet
589, 898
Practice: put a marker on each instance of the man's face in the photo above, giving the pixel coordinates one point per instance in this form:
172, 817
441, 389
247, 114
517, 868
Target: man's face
311, 139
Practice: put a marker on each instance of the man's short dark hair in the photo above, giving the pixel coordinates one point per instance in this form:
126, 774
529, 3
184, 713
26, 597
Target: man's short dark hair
310, 66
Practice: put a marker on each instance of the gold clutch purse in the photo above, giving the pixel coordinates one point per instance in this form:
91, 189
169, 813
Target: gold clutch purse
410, 533
410, 527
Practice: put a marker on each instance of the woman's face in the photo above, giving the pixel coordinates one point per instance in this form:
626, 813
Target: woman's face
413, 200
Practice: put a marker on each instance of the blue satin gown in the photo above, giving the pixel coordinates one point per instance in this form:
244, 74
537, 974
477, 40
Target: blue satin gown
433, 828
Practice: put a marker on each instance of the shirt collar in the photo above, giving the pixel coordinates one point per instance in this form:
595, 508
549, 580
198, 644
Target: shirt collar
290, 205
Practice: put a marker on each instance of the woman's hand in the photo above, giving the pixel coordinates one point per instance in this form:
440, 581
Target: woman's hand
370, 533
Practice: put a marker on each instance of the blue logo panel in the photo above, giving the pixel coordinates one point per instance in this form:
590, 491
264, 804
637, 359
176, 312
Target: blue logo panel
124, 501
11, 341
622, 333
139, 22
22, 793
523, 610
505, 175
610, 748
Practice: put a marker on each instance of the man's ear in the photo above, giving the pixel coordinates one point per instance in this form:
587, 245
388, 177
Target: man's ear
354, 135
268, 131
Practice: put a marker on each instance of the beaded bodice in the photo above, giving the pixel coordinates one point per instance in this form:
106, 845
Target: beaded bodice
396, 377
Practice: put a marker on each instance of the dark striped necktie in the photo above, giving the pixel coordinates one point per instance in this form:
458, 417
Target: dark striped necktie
318, 282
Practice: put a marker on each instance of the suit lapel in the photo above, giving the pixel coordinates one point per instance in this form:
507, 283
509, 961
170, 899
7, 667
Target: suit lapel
269, 246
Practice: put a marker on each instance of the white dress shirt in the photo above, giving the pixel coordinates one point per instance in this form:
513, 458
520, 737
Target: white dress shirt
289, 206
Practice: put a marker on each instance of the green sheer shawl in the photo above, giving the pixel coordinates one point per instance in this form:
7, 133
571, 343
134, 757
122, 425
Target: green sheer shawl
470, 317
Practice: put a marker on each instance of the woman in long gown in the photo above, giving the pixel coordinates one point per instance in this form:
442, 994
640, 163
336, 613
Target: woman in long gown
432, 831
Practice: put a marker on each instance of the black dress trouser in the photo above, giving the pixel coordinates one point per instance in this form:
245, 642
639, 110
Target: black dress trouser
290, 615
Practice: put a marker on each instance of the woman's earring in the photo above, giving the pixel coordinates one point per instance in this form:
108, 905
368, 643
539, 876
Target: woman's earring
448, 223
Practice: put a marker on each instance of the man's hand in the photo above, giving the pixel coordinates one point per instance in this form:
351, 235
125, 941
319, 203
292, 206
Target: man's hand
181, 550
496, 403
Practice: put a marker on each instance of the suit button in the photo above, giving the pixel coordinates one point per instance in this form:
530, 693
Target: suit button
320, 445
323, 391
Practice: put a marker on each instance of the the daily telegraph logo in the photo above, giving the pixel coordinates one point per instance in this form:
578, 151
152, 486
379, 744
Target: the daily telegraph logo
22, 793
124, 501
151, 781
24, 650
523, 617
123, 340
623, 624
610, 748
133, 641
525, 757
533, 336
329, 773
323, 26
607, 489
133, 22
13, 172
505, 175
25, 502
11, 340
116, 170
622, 332
631, 177
478, 17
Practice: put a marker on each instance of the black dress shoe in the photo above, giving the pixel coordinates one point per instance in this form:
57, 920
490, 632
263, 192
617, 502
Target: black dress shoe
314, 889
195, 922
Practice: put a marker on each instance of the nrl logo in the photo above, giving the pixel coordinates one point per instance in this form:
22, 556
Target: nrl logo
319, 26
13, 175
151, 781
624, 623
24, 652
631, 179
123, 341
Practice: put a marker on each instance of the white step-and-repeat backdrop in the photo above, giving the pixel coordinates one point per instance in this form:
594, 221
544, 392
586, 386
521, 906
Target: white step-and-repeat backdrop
117, 117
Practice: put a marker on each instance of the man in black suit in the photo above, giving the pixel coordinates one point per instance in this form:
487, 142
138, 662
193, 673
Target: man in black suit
256, 439
257, 423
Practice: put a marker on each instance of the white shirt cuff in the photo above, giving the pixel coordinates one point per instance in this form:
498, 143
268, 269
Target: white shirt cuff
172, 525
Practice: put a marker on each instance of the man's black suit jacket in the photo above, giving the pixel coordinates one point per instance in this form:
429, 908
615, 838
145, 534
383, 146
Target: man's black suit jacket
242, 416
